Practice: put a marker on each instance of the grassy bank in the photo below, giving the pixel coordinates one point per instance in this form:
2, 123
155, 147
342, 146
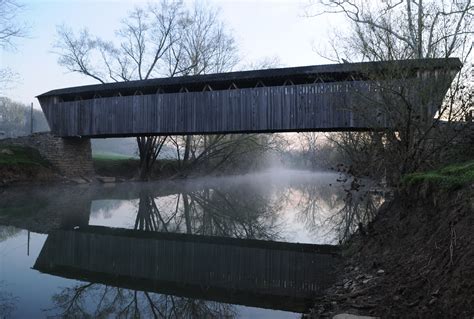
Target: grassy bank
106, 156
451, 176
24, 165
116, 165
18, 155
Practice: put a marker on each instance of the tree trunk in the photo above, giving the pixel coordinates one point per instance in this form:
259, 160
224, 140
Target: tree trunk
149, 148
187, 148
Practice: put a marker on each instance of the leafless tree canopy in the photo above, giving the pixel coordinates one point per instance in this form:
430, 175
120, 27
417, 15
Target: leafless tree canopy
161, 39
401, 29
137, 52
205, 45
10, 28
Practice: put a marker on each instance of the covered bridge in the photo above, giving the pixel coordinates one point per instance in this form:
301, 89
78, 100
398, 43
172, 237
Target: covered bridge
338, 97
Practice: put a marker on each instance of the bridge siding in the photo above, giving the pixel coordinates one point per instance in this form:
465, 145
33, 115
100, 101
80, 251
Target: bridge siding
316, 107
266, 109
311, 106
240, 267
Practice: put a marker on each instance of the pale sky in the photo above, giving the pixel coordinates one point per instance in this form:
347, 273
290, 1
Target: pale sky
263, 28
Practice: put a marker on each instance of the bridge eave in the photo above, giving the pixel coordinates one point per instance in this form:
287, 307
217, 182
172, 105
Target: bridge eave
336, 72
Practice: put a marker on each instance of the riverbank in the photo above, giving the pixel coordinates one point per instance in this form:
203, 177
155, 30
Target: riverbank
23, 165
20, 165
416, 259
128, 168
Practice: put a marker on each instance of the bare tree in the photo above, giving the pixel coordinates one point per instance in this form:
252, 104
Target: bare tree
397, 30
149, 147
309, 143
143, 39
402, 29
141, 42
204, 46
161, 39
17, 119
10, 30
223, 152
7, 77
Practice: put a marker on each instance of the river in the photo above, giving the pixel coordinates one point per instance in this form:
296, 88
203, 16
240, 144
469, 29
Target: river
44, 229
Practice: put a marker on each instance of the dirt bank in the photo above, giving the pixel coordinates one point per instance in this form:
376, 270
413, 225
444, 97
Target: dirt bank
23, 165
27, 174
415, 260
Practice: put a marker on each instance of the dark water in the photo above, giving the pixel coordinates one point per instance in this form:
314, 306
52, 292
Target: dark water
120, 251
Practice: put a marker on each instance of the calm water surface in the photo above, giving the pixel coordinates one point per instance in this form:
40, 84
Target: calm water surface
39, 230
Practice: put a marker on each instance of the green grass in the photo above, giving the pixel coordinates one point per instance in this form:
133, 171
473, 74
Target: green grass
451, 176
111, 164
21, 156
105, 156
123, 166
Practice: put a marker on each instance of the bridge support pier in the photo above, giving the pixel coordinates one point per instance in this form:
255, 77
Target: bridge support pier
74, 156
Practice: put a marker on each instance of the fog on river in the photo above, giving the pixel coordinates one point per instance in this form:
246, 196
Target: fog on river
285, 205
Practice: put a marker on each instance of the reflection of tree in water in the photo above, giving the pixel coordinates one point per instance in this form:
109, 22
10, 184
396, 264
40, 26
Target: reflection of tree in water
315, 202
7, 232
93, 300
350, 207
360, 208
233, 212
7, 302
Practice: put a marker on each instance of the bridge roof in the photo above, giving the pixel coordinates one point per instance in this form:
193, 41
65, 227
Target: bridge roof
243, 79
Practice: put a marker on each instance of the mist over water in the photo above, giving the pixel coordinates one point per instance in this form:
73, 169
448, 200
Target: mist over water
274, 175
275, 204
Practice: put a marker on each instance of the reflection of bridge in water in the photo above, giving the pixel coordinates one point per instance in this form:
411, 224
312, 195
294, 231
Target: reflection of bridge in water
259, 273
250, 268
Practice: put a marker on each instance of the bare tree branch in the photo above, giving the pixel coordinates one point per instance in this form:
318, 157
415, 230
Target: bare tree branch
10, 28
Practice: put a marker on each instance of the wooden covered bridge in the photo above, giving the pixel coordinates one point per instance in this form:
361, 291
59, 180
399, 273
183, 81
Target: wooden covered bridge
339, 97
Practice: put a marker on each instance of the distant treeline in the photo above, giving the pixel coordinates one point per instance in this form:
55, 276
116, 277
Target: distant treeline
16, 119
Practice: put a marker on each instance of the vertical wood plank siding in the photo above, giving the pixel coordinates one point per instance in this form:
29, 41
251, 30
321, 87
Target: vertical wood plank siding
343, 106
238, 266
